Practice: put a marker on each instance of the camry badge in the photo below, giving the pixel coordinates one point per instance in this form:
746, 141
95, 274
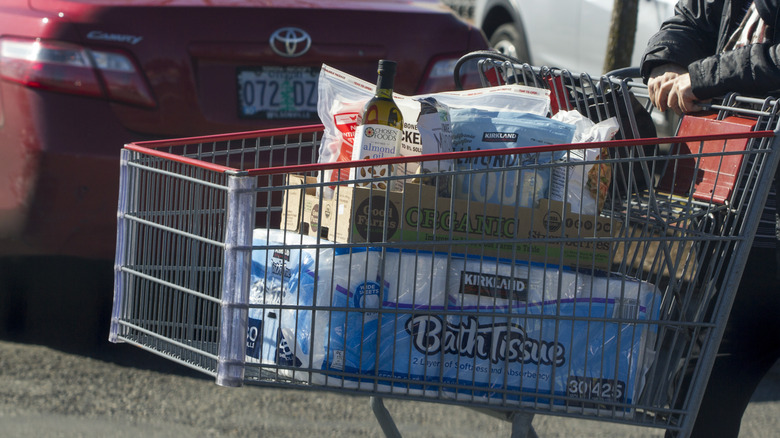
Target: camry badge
115, 37
290, 42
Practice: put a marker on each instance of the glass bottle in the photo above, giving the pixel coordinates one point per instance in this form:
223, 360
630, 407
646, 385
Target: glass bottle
379, 131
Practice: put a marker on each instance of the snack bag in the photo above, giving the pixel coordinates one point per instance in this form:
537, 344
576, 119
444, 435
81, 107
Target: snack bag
585, 187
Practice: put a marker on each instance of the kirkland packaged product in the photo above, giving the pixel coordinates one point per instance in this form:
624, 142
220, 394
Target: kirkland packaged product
430, 323
350, 336
288, 281
486, 326
281, 277
473, 129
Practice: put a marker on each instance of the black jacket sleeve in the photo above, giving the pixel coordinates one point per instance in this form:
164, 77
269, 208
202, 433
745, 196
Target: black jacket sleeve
689, 35
751, 70
693, 38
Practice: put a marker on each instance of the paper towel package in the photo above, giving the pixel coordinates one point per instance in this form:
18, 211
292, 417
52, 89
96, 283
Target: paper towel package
441, 324
281, 295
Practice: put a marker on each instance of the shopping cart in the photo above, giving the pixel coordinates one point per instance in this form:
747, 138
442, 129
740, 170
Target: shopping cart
236, 259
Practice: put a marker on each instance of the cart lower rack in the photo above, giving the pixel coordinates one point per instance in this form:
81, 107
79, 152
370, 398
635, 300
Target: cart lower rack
235, 259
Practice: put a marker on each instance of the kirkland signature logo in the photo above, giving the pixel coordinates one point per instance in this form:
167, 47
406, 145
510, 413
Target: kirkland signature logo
508, 137
494, 286
290, 42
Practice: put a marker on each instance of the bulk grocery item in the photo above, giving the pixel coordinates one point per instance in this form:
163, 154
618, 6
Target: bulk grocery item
471, 130
379, 130
428, 317
342, 96
420, 215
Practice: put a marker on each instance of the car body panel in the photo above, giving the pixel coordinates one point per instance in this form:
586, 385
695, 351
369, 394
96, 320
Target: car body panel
59, 152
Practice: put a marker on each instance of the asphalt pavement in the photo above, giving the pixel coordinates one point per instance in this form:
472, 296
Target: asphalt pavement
122, 391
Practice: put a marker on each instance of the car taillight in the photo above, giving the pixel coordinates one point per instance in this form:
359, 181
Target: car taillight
69, 68
439, 76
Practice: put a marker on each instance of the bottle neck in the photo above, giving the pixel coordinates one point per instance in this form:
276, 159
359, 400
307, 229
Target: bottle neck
384, 86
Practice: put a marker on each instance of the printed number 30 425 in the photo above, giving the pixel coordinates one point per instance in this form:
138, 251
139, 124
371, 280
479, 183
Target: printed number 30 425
596, 389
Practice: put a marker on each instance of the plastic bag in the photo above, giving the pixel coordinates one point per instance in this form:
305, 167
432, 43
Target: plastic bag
584, 187
341, 97
426, 301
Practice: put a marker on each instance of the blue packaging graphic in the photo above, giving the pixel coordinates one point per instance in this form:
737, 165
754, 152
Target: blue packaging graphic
293, 274
281, 295
446, 324
478, 130
359, 289
474, 328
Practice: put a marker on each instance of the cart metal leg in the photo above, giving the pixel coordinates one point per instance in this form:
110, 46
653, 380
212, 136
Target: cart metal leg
384, 418
521, 425
521, 421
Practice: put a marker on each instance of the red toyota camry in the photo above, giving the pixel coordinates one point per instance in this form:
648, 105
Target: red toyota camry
80, 78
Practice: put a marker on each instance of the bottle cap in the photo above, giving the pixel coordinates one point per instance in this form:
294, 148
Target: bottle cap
386, 67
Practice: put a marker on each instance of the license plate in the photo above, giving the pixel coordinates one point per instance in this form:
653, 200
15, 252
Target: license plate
278, 92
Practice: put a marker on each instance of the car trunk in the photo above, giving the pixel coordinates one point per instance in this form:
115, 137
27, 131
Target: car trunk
191, 56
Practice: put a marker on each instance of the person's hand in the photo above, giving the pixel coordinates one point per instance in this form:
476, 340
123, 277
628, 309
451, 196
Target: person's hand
681, 98
669, 87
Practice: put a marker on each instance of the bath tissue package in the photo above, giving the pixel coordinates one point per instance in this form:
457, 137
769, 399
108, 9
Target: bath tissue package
440, 324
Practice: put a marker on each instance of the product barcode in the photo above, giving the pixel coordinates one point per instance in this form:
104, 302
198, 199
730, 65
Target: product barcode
338, 360
626, 308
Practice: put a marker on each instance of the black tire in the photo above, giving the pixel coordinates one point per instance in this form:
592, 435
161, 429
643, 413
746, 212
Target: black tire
61, 302
509, 39
13, 299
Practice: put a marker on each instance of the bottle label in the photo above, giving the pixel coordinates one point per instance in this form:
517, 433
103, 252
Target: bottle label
376, 141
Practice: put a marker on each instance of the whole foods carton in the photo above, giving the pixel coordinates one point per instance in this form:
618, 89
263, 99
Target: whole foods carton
417, 218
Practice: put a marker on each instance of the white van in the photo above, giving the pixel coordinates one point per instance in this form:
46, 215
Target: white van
569, 34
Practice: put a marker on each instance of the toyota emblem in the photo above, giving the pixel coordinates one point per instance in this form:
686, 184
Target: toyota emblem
290, 42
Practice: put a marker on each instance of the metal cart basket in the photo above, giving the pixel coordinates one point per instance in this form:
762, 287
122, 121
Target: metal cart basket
236, 259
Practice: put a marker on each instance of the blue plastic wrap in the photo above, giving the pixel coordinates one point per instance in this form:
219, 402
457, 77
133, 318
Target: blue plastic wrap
388, 317
479, 130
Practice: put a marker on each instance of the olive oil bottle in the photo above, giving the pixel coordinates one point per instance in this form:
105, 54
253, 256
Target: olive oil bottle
379, 131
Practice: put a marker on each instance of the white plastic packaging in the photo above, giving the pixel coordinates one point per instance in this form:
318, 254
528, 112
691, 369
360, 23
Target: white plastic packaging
341, 96
428, 330
584, 187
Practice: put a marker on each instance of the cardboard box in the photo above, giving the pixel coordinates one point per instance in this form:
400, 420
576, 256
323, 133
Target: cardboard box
419, 217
